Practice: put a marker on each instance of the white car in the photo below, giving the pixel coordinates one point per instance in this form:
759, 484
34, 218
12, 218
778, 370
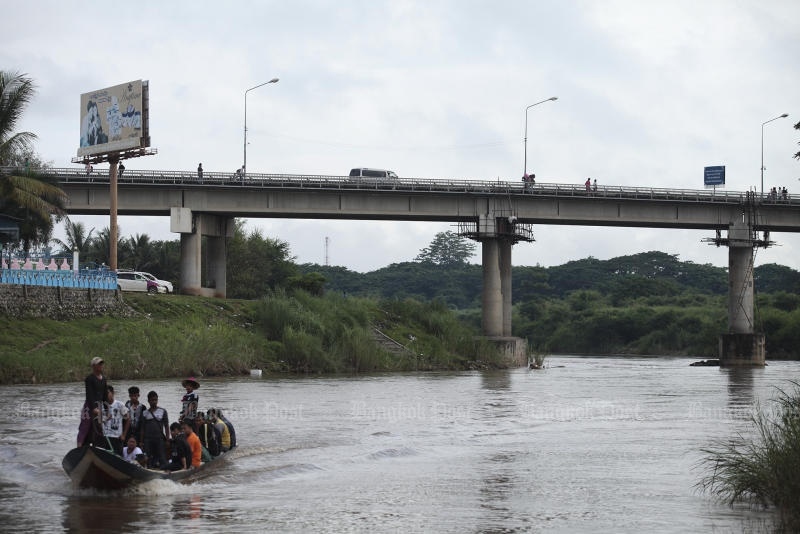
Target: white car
166, 285
131, 281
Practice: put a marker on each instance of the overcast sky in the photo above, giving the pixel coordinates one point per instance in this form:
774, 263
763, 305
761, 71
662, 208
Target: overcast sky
649, 93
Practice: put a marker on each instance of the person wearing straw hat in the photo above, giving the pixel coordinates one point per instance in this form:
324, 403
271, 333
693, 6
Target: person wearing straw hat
90, 429
189, 401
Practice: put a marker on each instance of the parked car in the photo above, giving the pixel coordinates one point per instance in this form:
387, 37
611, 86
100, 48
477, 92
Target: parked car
166, 284
132, 281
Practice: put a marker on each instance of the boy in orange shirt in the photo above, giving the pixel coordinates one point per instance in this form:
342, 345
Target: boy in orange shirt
194, 443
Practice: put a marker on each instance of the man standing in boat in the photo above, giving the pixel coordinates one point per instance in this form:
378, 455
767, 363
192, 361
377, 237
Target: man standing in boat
154, 431
90, 430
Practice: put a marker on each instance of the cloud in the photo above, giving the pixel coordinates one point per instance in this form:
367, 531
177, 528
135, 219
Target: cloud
649, 94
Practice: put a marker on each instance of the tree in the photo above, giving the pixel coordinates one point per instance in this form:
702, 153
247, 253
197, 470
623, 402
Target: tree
257, 264
447, 249
24, 195
76, 239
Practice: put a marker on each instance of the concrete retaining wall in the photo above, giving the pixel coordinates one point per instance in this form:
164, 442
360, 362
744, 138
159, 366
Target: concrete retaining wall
60, 303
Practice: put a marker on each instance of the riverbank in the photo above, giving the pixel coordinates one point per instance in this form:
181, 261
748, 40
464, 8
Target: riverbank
176, 336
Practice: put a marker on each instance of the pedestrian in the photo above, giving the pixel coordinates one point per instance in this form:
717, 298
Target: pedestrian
194, 443
189, 401
132, 453
135, 409
154, 432
209, 437
89, 168
200, 172
594, 185
90, 430
115, 421
121, 169
180, 455
588, 184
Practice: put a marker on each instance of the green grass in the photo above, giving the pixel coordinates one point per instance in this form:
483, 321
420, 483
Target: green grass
763, 467
176, 335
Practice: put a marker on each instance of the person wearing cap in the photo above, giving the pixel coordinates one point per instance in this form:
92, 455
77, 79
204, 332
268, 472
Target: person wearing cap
189, 401
90, 430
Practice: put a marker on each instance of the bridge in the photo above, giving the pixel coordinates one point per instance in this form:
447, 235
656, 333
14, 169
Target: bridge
498, 214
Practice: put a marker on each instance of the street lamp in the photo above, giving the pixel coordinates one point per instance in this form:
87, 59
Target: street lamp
762, 149
525, 171
244, 166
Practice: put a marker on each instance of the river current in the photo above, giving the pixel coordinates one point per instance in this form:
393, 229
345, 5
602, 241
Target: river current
586, 445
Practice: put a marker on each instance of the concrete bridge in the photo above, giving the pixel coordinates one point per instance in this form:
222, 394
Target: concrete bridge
498, 214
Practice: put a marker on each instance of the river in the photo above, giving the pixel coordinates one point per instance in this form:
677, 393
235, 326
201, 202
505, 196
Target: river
586, 445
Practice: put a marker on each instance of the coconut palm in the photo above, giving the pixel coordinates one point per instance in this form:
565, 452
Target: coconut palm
77, 238
23, 194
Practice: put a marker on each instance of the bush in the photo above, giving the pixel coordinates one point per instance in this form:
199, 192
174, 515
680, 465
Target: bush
764, 468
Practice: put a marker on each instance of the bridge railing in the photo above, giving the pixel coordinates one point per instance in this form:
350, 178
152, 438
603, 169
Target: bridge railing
332, 182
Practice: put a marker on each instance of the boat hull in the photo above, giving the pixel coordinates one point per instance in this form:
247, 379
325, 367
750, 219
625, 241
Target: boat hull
93, 467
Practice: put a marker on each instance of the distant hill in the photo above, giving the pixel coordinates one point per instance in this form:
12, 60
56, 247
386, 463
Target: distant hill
646, 274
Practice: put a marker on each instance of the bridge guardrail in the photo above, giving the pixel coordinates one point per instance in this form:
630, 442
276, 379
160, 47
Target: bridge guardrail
333, 182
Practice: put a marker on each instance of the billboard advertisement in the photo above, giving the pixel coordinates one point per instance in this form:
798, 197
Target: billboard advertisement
114, 119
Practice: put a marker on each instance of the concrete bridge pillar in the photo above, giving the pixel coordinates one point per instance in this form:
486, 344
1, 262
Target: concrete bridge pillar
741, 345
492, 298
193, 227
504, 257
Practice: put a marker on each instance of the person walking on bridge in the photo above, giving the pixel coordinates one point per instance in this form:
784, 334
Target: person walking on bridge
200, 172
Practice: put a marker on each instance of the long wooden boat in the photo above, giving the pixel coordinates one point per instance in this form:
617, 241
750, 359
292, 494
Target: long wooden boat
94, 467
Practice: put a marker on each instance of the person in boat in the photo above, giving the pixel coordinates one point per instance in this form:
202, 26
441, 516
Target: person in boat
131, 452
224, 431
209, 436
180, 455
194, 443
115, 421
231, 430
90, 430
135, 409
154, 432
189, 401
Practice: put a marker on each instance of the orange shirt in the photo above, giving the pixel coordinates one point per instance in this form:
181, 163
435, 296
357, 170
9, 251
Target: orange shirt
197, 449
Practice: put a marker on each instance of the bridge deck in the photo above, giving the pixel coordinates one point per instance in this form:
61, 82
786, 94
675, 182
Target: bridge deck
77, 176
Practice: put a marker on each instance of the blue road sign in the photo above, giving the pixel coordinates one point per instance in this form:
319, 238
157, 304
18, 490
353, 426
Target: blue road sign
714, 175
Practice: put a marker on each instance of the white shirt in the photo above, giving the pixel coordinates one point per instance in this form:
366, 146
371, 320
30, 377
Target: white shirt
132, 456
113, 416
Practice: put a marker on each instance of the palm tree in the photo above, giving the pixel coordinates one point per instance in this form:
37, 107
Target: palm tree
77, 239
23, 194
16, 92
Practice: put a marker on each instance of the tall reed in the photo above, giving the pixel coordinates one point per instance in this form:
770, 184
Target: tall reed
763, 466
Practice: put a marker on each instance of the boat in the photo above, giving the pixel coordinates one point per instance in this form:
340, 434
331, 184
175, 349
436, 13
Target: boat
98, 468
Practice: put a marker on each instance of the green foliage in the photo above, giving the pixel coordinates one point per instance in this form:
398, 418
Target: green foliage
447, 249
256, 264
762, 466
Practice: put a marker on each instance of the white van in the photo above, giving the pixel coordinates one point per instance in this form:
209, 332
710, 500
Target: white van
372, 175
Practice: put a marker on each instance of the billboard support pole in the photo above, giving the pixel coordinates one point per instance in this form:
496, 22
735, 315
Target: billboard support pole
113, 160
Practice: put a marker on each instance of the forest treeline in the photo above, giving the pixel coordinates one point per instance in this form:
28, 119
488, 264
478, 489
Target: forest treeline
648, 303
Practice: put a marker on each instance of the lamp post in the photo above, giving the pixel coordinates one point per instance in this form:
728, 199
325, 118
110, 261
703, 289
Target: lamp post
244, 166
762, 148
525, 170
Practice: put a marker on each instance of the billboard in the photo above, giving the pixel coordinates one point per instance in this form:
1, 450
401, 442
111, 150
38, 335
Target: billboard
115, 119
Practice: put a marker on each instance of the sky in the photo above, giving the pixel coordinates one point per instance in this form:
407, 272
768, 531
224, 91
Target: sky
649, 93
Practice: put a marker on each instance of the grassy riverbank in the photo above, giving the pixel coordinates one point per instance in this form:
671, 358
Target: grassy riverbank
176, 336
